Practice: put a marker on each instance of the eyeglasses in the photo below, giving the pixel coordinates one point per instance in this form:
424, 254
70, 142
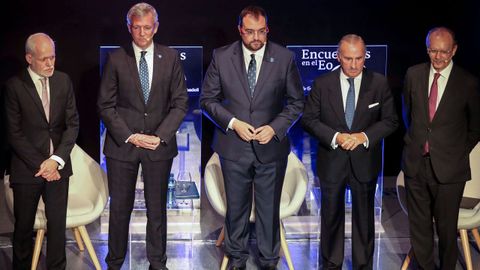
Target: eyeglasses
442, 52
249, 32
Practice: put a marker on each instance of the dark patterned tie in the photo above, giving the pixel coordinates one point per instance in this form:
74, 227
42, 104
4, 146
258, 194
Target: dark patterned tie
432, 105
144, 77
252, 74
350, 104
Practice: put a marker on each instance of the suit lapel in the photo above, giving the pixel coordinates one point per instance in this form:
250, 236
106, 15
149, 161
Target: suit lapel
132, 66
447, 93
158, 62
268, 63
362, 102
239, 65
54, 95
424, 93
32, 91
335, 97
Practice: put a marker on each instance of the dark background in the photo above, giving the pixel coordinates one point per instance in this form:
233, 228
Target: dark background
79, 27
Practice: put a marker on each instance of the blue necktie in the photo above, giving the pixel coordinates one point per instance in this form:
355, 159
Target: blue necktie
350, 104
252, 74
144, 77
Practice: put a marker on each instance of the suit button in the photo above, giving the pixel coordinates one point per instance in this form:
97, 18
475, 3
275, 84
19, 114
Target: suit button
50, 130
145, 114
429, 130
141, 131
147, 131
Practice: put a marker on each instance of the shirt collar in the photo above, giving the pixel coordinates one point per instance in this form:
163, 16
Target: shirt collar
137, 50
35, 77
444, 72
258, 54
345, 77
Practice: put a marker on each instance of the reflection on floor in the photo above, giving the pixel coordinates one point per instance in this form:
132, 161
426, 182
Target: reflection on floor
193, 245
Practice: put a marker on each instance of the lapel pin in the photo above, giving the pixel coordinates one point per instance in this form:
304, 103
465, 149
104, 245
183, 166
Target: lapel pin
270, 59
159, 55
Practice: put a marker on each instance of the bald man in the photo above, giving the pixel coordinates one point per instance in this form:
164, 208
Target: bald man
442, 116
42, 126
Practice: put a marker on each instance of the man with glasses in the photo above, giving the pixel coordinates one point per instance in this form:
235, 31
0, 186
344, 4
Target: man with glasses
442, 117
142, 101
253, 93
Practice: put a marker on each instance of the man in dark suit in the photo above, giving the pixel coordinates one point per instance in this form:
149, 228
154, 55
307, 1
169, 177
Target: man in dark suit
442, 115
42, 126
349, 111
142, 101
253, 93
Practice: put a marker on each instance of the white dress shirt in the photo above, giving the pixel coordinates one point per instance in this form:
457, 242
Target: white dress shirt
246, 59
345, 86
38, 86
441, 82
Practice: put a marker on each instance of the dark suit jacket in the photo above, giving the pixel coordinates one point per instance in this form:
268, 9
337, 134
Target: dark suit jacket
277, 100
122, 108
29, 132
324, 116
454, 131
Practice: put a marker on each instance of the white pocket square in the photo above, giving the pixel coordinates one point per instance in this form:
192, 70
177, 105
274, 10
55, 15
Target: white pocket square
373, 105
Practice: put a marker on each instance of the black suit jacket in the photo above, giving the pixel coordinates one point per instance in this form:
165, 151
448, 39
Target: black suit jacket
277, 100
28, 130
374, 114
454, 130
122, 108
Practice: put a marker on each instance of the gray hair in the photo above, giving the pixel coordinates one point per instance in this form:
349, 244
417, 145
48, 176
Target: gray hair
31, 42
140, 10
350, 38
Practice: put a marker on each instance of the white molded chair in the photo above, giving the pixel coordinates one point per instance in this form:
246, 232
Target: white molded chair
293, 195
468, 218
87, 197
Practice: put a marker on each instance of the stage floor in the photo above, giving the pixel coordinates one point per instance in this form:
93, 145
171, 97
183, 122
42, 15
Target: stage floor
192, 245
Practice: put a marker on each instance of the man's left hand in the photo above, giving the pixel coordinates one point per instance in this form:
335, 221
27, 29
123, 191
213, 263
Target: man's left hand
264, 134
49, 170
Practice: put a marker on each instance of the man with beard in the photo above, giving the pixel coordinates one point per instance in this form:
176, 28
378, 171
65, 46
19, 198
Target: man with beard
253, 94
42, 126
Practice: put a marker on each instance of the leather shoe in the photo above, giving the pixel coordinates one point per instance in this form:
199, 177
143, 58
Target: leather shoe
270, 267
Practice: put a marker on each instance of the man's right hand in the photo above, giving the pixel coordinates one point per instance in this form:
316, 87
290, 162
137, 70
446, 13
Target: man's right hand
244, 130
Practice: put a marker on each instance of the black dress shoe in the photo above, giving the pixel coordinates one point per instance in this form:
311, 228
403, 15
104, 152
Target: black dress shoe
270, 267
161, 268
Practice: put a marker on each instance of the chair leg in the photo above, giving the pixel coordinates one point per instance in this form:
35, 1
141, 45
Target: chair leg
407, 260
88, 243
224, 263
221, 237
78, 239
466, 249
37, 248
477, 237
284, 245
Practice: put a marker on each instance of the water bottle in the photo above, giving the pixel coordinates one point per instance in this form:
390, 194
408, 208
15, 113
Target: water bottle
171, 200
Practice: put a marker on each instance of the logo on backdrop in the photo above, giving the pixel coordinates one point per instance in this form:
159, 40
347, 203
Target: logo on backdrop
314, 60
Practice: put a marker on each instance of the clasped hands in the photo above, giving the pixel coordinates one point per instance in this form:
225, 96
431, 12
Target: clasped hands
49, 170
350, 141
248, 133
145, 141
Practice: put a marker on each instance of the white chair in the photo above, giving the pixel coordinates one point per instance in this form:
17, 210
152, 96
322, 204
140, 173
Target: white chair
87, 197
468, 219
293, 195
